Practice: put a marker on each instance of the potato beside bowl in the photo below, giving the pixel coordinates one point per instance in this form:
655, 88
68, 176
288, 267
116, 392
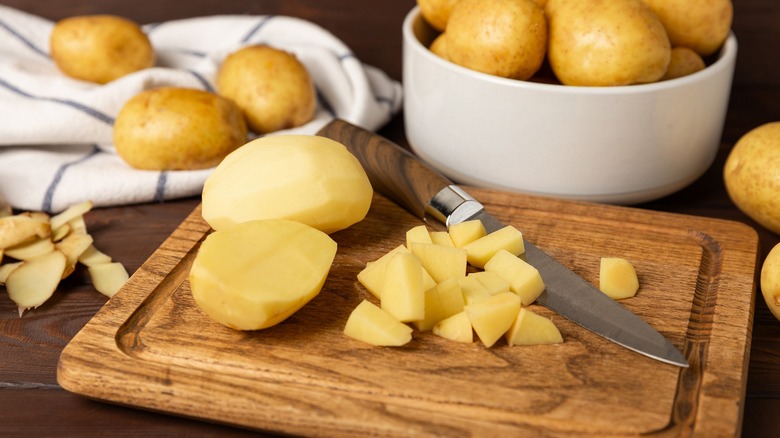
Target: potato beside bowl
621, 145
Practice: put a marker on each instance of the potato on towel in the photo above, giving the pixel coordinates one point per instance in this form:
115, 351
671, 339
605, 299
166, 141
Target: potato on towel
305, 178
256, 274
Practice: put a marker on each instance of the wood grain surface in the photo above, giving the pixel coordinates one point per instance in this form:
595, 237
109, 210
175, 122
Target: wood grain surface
151, 347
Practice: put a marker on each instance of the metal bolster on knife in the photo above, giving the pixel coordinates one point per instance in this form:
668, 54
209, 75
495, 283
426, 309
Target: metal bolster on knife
452, 205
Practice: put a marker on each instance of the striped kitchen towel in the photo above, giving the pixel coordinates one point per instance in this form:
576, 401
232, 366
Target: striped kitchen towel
56, 132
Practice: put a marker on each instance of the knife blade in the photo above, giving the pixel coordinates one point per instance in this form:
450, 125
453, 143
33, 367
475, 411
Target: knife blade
403, 178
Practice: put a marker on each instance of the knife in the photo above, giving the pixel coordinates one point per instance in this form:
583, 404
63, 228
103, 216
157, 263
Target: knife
423, 191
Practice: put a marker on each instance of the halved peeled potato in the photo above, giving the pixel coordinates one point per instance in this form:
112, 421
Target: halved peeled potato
256, 274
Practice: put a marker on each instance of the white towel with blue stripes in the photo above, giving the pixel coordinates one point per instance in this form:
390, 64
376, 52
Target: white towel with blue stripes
56, 132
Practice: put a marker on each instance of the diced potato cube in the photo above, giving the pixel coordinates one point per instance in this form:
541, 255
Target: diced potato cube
491, 281
455, 328
371, 324
403, 295
441, 238
493, 316
466, 232
372, 277
524, 279
531, 328
433, 311
617, 278
484, 248
472, 289
417, 234
440, 261
450, 297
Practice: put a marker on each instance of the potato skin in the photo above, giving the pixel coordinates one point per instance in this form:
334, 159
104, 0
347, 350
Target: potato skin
270, 85
178, 129
506, 38
100, 48
606, 42
752, 175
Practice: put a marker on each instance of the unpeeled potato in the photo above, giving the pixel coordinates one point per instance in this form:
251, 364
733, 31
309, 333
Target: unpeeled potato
177, 129
437, 12
506, 38
270, 85
684, 61
701, 25
606, 42
100, 48
770, 281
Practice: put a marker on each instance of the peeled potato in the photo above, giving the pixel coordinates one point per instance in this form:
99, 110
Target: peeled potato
305, 178
100, 48
256, 274
177, 129
271, 86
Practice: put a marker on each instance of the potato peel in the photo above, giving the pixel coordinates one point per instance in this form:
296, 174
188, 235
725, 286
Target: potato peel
38, 251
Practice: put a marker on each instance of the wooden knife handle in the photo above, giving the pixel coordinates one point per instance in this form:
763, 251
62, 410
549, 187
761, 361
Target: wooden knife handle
393, 171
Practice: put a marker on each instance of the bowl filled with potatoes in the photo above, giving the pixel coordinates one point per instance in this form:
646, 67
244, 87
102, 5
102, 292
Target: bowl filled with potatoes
619, 101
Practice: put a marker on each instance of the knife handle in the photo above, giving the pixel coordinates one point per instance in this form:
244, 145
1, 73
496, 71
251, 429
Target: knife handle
392, 170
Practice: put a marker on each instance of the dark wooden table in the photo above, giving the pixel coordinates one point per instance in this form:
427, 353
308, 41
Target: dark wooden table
31, 402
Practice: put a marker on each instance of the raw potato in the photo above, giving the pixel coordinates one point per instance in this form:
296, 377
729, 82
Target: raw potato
606, 42
272, 88
531, 328
617, 278
437, 12
35, 281
305, 178
702, 25
374, 326
256, 274
108, 278
440, 261
524, 279
492, 317
506, 38
456, 303
770, 280
372, 277
418, 234
18, 229
65, 242
100, 48
403, 295
455, 328
484, 248
684, 62
439, 47
466, 232
752, 175
177, 129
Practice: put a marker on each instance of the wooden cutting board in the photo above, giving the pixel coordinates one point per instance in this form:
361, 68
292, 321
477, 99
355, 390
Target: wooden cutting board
151, 347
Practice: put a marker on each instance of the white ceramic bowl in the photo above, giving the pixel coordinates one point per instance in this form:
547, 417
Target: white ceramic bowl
622, 145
